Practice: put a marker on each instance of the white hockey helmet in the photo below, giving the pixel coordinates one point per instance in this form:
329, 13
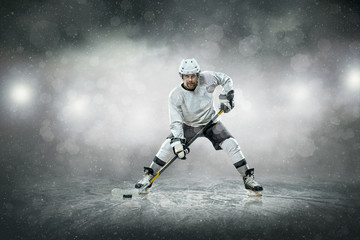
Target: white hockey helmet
189, 66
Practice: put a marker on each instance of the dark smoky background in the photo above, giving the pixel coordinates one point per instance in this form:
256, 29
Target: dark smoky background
84, 85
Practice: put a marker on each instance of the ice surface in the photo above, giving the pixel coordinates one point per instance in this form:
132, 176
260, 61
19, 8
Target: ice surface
182, 208
100, 74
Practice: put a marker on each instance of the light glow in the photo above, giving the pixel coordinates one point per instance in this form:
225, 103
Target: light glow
301, 92
353, 79
21, 94
78, 106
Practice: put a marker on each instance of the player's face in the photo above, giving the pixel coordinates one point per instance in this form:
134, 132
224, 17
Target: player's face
190, 81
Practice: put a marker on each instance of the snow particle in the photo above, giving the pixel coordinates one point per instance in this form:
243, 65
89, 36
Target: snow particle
348, 134
45, 98
126, 5
64, 60
324, 45
42, 64
250, 46
71, 147
168, 25
71, 31
300, 62
60, 148
287, 47
210, 50
47, 134
305, 147
44, 34
149, 16
20, 49
335, 120
214, 33
355, 48
115, 21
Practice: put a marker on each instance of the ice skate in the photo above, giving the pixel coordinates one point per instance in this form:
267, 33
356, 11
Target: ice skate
145, 181
254, 188
141, 187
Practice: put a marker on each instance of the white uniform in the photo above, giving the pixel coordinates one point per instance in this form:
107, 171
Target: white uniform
189, 110
195, 108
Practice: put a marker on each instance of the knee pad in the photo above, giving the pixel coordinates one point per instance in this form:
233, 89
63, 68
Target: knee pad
231, 146
165, 152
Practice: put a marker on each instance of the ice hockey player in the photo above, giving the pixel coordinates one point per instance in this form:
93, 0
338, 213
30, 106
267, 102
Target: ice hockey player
190, 108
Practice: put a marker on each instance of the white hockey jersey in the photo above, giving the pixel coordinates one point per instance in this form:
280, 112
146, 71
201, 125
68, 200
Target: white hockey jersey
195, 108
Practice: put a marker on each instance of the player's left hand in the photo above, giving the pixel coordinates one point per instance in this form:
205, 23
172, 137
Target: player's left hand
227, 101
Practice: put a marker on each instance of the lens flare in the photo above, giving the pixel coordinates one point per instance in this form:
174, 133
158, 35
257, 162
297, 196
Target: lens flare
353, 79
21, 94
78, 107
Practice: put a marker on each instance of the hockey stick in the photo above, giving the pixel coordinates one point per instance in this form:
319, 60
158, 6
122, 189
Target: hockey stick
143, 189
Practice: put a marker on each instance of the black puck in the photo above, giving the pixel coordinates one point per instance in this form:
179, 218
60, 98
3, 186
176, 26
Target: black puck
127, 196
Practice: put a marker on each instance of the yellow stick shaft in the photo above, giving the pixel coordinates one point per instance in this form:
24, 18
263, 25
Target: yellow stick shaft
187, 145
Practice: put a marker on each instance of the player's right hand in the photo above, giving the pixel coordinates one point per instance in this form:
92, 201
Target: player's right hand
178, 147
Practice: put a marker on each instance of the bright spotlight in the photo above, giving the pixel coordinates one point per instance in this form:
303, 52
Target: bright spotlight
353, 79
21, 94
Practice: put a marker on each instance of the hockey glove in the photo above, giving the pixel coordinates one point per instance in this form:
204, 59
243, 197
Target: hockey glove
227, 101
178, 147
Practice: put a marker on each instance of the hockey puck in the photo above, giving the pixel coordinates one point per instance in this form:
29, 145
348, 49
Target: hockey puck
127, 196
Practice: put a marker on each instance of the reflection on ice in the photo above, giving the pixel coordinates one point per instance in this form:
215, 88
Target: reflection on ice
180, 208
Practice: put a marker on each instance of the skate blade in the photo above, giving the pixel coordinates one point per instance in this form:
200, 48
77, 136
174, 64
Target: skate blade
254, 193
127, 193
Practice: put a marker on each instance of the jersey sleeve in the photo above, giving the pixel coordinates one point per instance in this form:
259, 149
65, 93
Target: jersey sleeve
214, 79
224, 80
176, 115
